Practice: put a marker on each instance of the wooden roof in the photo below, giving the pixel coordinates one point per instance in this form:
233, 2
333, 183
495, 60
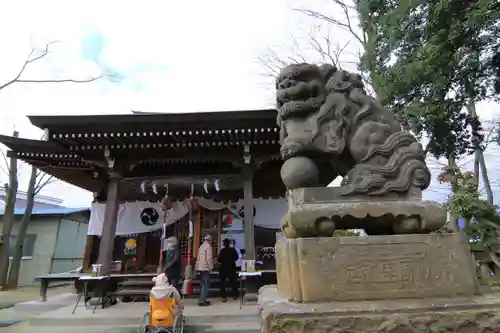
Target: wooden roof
159, 147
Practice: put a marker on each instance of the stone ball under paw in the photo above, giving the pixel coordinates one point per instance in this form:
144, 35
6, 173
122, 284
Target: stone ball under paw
299, 172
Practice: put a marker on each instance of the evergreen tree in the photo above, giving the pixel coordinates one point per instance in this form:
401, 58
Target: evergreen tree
433, 61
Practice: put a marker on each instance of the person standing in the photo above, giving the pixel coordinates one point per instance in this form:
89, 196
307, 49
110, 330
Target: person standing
172, 260
204, 265
240, 256
227, 269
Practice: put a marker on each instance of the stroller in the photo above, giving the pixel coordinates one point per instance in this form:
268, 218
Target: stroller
165, 309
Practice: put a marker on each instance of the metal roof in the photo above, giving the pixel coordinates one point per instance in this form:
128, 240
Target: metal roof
51, 211
124, 121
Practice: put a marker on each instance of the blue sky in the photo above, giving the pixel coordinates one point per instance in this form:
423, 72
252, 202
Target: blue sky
183, 56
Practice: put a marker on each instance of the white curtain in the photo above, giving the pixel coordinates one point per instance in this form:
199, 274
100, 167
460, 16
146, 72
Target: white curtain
143, 216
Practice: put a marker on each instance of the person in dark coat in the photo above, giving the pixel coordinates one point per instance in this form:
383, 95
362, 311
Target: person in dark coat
227, 269
172, 259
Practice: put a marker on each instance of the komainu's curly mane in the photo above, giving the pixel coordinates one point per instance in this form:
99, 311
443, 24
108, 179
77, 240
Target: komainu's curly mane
345, 96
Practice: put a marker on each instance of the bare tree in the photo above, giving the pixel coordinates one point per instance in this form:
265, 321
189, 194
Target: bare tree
8, 217
38, 181
346, 19
491, 130
319, 44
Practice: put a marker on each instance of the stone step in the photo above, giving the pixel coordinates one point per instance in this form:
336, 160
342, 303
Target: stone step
227, 329
244, 318
251, 325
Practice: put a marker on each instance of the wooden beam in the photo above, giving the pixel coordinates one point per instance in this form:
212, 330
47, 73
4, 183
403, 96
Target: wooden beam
142, 243
87, 255
219, 229
197, 232
109, 226
248, 174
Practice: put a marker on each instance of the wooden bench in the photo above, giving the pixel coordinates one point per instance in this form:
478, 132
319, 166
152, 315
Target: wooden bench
46, 280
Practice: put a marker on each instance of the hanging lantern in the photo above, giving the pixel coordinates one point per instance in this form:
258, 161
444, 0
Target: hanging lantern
166, 203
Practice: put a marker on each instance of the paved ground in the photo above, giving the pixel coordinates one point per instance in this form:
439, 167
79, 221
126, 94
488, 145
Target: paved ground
25, 294
55, 316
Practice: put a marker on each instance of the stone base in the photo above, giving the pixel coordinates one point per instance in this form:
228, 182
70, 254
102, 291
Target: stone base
318, 211
375, 267
479, 314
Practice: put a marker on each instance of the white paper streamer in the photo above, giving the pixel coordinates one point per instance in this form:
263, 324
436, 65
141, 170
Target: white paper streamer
191, 232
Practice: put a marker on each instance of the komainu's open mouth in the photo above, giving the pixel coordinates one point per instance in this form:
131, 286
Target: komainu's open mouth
291, 90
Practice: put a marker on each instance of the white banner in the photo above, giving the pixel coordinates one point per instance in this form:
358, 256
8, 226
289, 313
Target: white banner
143, 216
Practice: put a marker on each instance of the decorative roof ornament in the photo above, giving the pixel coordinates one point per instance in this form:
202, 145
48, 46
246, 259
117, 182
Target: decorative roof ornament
155, 190
166, 190
217, 185
143, 187
205, 186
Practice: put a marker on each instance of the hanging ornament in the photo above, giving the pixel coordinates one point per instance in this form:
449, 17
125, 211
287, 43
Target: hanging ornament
217, 185
143, 187
205, 186
166, 190
191, 229
155, 190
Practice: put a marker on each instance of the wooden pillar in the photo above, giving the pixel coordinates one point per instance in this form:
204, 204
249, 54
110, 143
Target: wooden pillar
87, 255
248, 173
219, 230
251, 285
142, 241
197, 232
109, 225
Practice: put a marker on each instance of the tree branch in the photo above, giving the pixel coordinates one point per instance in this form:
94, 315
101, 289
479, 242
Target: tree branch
347, 25
294, 52
61, 80
273, 63
30, 59
42, 180
6, 167
327, 53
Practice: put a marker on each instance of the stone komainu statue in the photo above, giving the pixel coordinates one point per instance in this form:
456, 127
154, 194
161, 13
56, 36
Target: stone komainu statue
330, 126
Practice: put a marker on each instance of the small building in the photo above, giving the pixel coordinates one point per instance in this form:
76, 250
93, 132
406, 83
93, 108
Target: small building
41, 201
55, 238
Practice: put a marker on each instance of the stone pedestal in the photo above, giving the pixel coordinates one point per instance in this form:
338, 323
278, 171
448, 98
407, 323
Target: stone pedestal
475, 314
319, 211
375, 267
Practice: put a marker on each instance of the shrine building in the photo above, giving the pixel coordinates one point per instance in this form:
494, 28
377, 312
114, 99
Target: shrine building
220, 171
